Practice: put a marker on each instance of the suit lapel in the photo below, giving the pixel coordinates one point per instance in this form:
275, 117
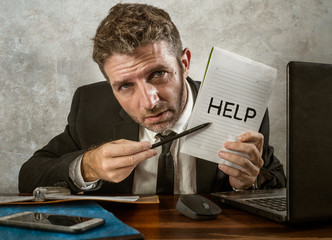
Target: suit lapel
127, 129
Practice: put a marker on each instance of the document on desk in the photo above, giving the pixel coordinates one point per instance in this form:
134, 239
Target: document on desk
233, 96
13, 199
46, 195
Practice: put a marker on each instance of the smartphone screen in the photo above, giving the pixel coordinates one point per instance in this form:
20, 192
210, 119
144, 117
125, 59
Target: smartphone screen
53, 222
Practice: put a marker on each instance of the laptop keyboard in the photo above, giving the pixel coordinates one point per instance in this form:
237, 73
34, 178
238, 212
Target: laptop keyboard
275, 203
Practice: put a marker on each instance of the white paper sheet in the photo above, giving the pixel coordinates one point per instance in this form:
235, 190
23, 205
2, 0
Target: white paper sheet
234, 97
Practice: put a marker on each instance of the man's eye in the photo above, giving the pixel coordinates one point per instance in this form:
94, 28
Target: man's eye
125, 86
159, 73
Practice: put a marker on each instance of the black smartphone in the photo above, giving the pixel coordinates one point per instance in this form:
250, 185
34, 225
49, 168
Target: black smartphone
51, 222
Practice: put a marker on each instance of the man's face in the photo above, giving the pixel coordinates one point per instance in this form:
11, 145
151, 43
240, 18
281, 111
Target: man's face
150, 85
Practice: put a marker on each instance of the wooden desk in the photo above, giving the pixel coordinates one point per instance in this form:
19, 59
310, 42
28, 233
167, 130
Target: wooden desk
162, 221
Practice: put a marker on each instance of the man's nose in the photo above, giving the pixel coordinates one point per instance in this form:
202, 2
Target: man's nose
149, 96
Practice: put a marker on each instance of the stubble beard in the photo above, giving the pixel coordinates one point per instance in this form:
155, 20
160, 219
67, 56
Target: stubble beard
165, 106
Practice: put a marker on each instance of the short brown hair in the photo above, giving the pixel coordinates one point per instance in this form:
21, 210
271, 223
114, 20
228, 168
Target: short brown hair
130, 26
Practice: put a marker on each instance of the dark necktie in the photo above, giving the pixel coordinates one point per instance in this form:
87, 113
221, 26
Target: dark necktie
165, 180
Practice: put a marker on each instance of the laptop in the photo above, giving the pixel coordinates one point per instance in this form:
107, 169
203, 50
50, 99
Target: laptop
308, 195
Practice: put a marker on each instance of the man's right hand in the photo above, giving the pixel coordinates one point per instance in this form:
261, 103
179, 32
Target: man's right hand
114, 161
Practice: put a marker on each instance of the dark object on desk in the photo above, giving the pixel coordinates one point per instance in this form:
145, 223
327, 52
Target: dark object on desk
308, 194
197, 207
51, 222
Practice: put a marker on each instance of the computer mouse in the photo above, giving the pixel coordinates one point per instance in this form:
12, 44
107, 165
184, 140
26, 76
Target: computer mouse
197, 207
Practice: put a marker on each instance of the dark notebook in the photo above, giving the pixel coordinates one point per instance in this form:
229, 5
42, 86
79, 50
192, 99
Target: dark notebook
308, 195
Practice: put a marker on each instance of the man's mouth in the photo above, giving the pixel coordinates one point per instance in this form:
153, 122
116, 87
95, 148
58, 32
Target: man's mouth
157, 117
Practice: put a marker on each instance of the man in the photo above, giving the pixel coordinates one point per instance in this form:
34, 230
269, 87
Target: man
106, 146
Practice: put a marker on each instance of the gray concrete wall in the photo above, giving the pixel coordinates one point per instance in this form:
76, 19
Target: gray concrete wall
45, 54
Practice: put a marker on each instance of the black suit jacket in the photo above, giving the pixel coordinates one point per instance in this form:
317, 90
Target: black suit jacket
95, 118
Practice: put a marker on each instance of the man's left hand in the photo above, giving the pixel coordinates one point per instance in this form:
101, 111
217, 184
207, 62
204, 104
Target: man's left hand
251, 144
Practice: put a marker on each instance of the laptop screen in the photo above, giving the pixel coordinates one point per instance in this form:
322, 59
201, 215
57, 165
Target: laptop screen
309, 155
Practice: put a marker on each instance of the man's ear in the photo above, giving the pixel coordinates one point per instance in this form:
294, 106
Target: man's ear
185, 60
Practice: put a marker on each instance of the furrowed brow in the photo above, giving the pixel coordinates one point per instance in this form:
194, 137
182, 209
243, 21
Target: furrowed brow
118, 83
148, 71
156, 68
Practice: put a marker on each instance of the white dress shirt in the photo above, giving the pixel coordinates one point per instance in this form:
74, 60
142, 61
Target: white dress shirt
145, 178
